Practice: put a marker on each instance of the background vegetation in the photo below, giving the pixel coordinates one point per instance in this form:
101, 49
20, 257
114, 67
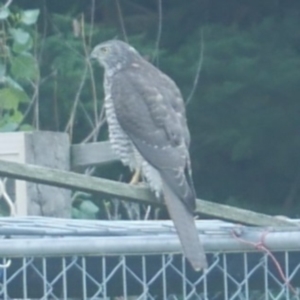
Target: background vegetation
241, 59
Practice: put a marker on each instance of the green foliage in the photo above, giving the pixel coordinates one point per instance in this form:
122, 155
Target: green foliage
29, 17
244, 116
245, 113
18, 66
65, 55
84, 208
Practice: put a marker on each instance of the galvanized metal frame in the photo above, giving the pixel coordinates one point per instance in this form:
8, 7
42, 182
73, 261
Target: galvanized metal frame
49, 258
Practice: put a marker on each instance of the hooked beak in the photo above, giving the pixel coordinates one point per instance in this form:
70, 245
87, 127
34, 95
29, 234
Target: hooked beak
93, 55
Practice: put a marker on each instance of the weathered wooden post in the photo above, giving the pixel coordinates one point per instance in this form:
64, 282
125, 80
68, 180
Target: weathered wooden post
49, 149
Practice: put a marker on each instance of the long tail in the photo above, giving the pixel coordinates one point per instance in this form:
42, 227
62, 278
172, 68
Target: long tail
186, 229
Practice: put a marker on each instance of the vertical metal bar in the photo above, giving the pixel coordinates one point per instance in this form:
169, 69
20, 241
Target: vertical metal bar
183, 277
64, 278
44, 276
124, 277
225, 277
246, 278
164, 280
4, 280
266, 277
145, 289
104, 280
83, 263
205, 284
1, 284
24, 277
286, 287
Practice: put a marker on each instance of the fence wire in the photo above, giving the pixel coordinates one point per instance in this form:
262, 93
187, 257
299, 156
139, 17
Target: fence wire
7, 194
229, 276
49, 258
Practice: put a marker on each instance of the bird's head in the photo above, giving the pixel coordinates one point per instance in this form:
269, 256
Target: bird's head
113, 55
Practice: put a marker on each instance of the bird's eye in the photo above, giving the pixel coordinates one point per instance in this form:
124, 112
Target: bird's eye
104, 49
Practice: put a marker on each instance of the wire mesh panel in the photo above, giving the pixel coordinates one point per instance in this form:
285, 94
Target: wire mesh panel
229, 276
44, 258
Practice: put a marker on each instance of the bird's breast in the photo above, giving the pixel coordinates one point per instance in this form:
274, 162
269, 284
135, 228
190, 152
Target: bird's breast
125, 149
119, 140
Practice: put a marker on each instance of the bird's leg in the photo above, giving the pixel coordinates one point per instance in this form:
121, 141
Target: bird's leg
136, 176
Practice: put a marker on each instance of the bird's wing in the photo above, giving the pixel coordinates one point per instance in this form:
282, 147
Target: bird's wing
174, 97
145, 112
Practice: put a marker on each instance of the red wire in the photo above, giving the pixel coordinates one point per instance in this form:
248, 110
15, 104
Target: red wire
260, 246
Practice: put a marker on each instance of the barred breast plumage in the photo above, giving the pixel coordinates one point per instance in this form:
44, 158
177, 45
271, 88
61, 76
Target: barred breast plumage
124, 148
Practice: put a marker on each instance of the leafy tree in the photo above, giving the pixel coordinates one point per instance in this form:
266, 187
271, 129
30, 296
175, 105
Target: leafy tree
244, 113
18, 66
244, 116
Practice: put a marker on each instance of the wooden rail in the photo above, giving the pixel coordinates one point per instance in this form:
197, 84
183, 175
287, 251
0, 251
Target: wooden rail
142, 195
91, 154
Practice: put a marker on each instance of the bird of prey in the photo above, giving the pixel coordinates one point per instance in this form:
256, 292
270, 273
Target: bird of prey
148, 130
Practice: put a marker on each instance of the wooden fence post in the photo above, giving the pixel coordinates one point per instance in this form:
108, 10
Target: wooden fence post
49, 149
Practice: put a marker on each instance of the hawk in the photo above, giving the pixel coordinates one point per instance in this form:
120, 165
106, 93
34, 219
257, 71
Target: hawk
148, 131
